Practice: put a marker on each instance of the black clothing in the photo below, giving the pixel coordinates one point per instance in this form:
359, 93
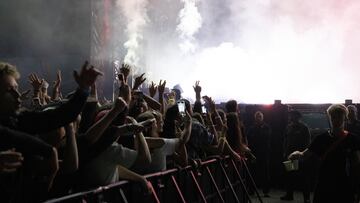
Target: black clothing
353, 127
24, 143
258, 137
334, 184
297, 138
200, 137
28, 188
34, 122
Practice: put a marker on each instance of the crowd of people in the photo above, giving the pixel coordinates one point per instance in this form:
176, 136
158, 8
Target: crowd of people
54, 145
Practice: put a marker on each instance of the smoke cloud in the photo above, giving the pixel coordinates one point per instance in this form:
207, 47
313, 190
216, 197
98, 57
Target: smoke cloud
190, 23
136, 18
255, 51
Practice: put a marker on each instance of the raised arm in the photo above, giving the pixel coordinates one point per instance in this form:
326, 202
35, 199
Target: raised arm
56, 88
161, 90
152, 89
197, 89
96, 130
142, 148
40, 122
71, 159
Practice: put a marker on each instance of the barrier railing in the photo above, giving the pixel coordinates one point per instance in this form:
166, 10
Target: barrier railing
216, 179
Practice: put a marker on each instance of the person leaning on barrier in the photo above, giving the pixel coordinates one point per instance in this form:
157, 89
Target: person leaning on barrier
161, 147
35, 122
333, 149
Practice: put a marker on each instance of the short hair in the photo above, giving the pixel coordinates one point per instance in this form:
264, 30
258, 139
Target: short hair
231, 106
352, 108
337, 110
258, 112
8, 69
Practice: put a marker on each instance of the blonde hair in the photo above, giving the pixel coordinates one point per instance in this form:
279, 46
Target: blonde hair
8, 69
336, 110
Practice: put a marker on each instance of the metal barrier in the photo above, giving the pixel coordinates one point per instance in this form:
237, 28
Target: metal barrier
216, 179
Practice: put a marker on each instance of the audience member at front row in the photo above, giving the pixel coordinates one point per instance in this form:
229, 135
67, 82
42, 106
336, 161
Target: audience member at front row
34, 122
333, 148
161, 148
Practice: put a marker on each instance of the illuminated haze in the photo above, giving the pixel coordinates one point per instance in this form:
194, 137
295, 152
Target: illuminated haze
254, 51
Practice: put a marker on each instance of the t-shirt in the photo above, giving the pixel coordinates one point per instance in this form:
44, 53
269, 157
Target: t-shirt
103, 170
333, 181
158, 156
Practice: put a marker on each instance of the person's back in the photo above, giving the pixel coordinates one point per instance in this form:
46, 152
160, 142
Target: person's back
199, 139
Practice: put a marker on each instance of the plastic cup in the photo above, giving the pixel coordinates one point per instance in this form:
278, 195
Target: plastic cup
291, 165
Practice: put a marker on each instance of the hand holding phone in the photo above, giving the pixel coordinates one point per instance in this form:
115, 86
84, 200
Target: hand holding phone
203, 109
181, 107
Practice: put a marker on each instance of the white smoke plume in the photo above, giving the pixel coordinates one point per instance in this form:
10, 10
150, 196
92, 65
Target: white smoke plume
256, 51
189, 24
135, 13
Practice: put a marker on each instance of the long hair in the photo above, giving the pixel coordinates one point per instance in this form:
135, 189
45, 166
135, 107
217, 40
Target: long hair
233, 134
169, 129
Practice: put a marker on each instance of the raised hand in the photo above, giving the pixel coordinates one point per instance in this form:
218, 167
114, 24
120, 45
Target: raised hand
121, 78
125, 70
210, 102
87, 76
35, 82
197, 89
56, 88
138, 81
161, 87
58, 80
152, 89
10, 161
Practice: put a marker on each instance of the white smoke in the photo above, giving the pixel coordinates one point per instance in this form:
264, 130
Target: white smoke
189, 24
135, 13
256, 51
